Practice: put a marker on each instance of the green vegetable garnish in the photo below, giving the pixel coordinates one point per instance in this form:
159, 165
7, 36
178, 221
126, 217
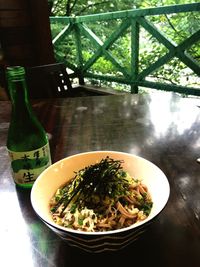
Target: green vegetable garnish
97, 181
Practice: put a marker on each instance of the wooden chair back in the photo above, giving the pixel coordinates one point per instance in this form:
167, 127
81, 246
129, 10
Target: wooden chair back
46, 81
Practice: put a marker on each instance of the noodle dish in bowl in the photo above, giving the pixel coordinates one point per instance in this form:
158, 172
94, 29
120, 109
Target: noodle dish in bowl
100, 200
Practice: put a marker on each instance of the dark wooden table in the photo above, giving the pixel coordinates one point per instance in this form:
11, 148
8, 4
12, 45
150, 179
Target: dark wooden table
163, 128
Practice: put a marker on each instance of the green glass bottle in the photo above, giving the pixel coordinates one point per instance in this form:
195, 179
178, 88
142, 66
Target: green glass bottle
27, 142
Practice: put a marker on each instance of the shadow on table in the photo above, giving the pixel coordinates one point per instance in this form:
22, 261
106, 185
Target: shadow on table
140, 253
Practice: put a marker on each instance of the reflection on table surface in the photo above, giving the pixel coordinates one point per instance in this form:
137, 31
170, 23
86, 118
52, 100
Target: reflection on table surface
163, 128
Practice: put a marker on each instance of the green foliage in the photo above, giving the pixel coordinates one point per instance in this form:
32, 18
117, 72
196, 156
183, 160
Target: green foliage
86, 7
176, 27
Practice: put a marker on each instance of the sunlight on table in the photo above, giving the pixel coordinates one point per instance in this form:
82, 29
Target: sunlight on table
18, 252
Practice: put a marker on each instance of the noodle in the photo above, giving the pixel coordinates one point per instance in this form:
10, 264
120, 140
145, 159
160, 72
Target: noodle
101, 197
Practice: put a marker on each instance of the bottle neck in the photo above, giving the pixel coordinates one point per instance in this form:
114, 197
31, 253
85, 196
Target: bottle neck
25, 131
18, 93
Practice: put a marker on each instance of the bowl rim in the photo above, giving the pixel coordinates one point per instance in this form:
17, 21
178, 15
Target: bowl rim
100, 233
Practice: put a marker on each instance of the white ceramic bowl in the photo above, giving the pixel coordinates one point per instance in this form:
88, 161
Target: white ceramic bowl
60, 172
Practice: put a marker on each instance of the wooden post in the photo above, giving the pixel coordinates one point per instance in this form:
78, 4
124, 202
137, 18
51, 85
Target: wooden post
42, 33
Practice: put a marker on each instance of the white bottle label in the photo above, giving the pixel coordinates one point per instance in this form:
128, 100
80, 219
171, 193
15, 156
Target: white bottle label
27, 166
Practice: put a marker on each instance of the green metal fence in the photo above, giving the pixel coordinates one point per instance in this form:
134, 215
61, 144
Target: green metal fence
89, 45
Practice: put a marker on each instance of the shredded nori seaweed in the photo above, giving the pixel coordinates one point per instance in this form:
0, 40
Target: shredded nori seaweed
99, 180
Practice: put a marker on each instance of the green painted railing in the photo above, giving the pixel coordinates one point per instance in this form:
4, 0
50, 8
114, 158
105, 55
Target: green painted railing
79, 30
